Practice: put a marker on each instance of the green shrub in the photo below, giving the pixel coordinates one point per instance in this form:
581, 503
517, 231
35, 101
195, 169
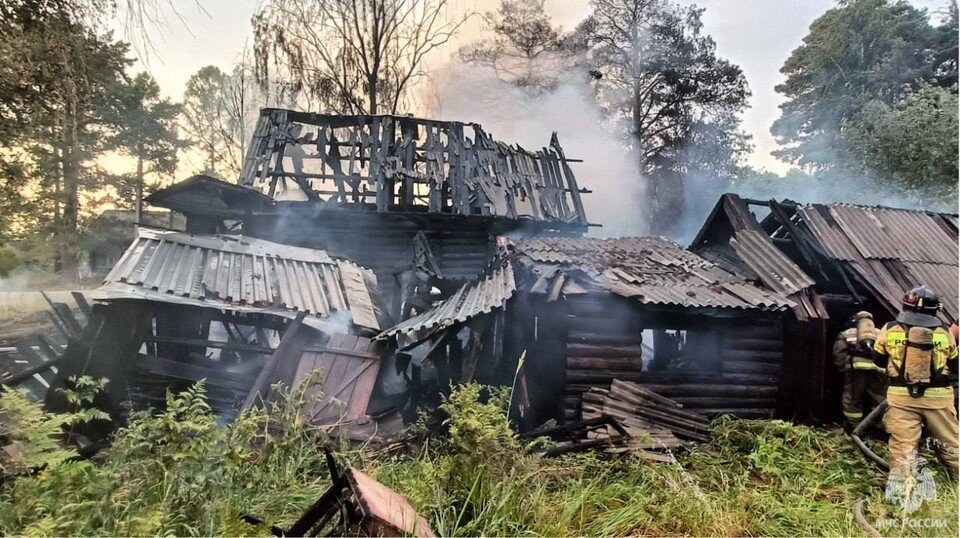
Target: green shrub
755, 478
176, 472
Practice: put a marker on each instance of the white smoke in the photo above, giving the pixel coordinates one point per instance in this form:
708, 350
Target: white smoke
514, 115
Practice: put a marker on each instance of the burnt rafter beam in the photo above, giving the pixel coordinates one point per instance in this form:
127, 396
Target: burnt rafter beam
23, 375
285, 348
448, 167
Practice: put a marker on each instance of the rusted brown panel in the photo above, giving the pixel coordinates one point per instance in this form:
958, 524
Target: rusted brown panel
386, 513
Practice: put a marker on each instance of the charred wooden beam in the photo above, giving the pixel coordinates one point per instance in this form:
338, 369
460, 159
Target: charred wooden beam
282, 353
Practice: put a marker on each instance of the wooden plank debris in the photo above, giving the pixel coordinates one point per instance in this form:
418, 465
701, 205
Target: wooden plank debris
284, 350
366, 508
349, 366
651, 420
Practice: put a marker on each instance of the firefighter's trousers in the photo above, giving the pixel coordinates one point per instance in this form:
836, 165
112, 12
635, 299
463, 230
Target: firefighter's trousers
858, 383
905, 420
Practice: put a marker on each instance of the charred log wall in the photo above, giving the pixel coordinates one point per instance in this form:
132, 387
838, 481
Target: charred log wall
737, 355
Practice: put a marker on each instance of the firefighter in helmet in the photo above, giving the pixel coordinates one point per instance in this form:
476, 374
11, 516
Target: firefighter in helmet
916, 349
853, 356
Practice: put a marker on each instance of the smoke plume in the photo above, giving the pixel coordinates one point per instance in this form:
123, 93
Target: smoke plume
527, 118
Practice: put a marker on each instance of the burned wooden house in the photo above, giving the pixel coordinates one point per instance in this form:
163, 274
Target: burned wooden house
831, 260
398, 256
414, 200
239, 313
339, 227
583, 312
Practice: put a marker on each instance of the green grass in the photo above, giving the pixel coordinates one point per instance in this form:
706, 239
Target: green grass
755, 478
178, 472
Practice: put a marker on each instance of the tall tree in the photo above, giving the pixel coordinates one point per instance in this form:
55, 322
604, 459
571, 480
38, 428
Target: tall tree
860, 51
208, 120
657, 71
359, 57
946, 49
525, 48
55, 76
913, 145
145, 128
219, 112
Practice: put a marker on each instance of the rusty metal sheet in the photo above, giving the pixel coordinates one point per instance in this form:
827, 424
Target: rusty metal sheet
472, 299
241, 273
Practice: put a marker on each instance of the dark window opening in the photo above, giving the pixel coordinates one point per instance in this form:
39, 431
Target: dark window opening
681, 351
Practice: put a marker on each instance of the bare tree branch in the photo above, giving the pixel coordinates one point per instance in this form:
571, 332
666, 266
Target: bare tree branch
357, 56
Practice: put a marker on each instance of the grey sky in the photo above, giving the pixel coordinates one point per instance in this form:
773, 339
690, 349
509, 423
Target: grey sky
758, 35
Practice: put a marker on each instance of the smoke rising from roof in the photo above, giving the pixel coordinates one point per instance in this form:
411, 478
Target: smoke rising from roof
610, 168
527, 118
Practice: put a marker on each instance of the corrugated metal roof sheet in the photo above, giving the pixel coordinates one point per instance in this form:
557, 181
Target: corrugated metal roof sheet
890, 249
940, 277
236, 272
775, 269
884, 250
830, 236
652, 269
472, 299
896, 234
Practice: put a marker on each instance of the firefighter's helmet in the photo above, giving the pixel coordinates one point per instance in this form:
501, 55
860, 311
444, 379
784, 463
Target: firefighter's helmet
920, 307
923, 300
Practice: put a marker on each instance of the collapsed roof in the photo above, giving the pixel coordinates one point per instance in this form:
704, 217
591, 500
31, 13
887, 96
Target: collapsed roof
406, 164
650, 270
244, 274
880, 251
470, 300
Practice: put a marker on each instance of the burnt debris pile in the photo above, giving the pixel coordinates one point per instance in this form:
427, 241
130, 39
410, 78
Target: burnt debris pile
655, 421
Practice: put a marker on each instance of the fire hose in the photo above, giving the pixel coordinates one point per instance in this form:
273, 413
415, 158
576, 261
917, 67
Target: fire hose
867, 421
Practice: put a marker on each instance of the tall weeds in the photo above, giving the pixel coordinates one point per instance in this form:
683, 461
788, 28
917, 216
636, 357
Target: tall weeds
179, 472
755, 478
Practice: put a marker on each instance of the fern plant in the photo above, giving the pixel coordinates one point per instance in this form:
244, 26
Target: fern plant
31, 435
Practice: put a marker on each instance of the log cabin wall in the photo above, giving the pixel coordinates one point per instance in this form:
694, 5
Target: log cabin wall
731, 363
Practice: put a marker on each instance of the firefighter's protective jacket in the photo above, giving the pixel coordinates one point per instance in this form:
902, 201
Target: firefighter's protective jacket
891, 352
847, 357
